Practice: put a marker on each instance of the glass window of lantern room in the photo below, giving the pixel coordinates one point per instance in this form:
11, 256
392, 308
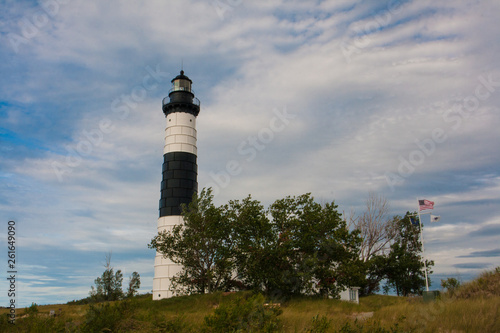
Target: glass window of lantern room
182, 85
176, 85
186, 85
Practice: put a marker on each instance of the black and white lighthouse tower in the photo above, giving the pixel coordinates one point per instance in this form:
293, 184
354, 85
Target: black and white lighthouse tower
180, 171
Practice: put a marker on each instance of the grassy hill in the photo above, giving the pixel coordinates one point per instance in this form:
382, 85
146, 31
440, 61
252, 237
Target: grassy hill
473, 308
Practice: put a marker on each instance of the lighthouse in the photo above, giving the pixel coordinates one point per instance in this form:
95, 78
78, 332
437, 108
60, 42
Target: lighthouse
179, 181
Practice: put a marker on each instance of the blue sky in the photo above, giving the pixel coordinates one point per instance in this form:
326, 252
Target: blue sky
336, 98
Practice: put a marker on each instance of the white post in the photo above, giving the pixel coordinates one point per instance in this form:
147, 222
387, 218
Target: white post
422, 240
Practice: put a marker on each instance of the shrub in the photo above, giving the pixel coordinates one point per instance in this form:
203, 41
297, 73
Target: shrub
244, 315
32, 310
104, 316
451, 285
486, 285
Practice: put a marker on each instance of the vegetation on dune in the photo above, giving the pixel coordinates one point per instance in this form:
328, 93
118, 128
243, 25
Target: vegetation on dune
473, 307
486, 285
247, 314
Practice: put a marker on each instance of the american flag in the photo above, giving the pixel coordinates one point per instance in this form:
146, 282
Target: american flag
425, 204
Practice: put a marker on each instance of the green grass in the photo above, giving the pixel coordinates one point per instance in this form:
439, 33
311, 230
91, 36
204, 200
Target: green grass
475, 307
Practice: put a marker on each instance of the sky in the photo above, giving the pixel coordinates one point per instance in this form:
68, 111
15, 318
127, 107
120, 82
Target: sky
336, 98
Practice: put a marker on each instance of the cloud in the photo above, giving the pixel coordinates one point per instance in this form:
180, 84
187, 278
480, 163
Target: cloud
472, 265
479, 254
486, 231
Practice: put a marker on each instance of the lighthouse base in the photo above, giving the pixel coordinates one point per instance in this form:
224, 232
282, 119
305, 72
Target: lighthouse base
165, 269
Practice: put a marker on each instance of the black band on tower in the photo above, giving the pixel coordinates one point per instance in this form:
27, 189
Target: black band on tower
179, 182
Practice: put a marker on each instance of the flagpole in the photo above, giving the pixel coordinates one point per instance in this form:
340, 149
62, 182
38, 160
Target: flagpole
423, 251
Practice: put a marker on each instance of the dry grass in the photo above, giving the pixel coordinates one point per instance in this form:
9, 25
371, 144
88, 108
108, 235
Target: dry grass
445, 315
474, 307
298, 314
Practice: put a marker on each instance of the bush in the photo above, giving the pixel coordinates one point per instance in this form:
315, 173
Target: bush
486, 285
451, 285
244, 314
32, 310
104, 316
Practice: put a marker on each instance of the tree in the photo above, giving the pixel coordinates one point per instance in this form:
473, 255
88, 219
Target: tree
108, 287
404, 267
314, 246
377, 230
255, 244
296, 246
451, 285
202, 245
134, 284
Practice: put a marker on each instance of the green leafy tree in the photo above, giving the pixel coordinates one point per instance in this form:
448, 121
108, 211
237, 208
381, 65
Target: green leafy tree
374, 273
296, 246
202, 245
404, 267
108, 287
134, 284
451, 285
315, 248
255, 243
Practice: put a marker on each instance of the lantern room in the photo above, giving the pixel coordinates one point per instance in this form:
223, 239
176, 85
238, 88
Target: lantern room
181, 97
181, 83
